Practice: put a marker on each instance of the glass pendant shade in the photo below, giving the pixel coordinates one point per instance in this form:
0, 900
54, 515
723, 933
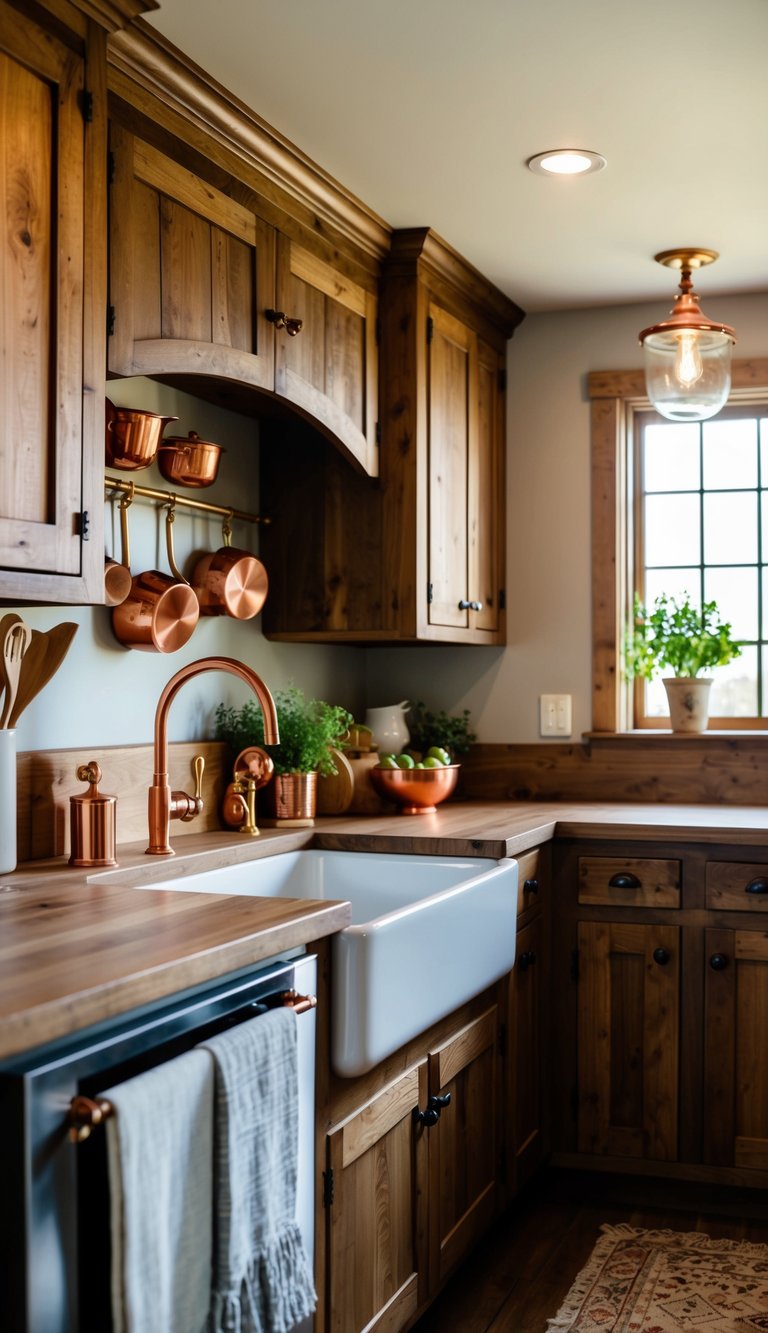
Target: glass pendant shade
687, 356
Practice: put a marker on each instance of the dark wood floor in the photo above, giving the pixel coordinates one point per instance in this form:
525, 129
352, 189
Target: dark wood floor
521, 1273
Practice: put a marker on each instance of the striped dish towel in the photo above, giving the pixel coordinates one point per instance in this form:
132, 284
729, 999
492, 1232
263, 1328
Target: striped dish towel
262, 1277
160, 1157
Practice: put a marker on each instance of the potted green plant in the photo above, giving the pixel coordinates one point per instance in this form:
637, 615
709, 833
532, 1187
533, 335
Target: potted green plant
677, 635
450, 731
308, 729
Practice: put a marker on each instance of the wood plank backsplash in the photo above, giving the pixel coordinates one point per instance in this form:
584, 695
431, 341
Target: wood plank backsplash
47, 778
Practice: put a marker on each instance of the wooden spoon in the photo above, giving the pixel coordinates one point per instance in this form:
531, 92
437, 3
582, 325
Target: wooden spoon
5, 624
14, 646
42, 660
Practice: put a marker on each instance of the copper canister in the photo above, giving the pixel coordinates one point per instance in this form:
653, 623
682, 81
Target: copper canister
92, 822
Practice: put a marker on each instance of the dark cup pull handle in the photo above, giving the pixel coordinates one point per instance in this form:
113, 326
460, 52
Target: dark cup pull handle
283, 321
431, 1116
718, 962
757, 886
661, 956
624, 881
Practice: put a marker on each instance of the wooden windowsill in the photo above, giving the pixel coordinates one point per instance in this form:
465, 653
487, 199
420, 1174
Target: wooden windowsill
653, 735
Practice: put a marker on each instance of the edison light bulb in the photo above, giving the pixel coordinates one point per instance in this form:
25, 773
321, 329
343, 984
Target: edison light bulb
688, 366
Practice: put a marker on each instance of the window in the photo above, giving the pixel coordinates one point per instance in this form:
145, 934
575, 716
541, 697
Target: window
701, 529
676, 508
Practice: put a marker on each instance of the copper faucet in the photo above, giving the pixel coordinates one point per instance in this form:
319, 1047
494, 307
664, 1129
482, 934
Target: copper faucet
165, 805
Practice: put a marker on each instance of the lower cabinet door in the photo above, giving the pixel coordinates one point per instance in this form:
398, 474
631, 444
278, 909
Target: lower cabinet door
628, 1039
463, 1144
524, 1114
735, 1045
377, 1224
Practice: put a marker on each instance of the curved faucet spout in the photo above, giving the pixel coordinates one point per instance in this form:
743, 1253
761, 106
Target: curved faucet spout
161, 804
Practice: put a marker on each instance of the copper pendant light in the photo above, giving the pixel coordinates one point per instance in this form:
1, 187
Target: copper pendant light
687, 356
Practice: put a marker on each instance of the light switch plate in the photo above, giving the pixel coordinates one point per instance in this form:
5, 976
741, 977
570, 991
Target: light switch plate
555, 714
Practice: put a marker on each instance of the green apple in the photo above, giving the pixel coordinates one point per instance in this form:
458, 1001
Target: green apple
404, 761
437, 752
432, 762
387, 761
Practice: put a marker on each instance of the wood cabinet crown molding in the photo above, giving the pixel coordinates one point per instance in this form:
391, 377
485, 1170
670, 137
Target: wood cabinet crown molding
439, 263
115, 14
145, 58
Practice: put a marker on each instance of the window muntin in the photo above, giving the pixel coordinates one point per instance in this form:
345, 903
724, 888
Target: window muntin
701, 527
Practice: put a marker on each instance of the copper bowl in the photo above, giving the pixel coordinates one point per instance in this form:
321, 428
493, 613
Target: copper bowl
188, 460
418, 790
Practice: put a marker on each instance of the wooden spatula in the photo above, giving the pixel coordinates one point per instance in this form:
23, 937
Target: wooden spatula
42, 660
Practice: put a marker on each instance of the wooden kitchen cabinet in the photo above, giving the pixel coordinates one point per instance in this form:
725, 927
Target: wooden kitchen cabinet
525, 1115
413, 1171
420, 555
207, 290
52, 287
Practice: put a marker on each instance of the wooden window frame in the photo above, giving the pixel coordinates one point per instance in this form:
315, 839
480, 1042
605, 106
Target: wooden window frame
615, 396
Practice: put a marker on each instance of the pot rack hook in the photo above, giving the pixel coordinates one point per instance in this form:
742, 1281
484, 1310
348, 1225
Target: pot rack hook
169, 521
226, 527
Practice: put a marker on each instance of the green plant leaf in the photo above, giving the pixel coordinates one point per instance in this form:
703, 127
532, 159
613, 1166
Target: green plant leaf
677, 636
308, 727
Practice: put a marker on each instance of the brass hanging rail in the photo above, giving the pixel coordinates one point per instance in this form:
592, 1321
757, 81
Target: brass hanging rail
170, 497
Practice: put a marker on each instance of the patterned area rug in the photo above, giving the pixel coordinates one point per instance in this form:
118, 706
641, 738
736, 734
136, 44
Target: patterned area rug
667, 1282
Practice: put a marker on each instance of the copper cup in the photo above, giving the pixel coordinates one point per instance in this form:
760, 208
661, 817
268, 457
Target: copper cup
188, 460
133, 436
418, 790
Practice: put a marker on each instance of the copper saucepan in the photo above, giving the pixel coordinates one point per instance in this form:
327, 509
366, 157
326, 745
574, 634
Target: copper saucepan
160, 612
229, 582
117, 577
188, 460
133, 436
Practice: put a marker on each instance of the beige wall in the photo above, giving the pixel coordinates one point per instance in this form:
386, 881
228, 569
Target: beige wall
548, 520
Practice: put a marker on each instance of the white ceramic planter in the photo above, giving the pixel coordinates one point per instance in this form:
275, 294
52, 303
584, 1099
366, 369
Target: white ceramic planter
688, 699
7, 800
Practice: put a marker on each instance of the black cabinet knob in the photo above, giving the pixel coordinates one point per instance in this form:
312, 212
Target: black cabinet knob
661, 956
624, 880
531, 886
757, 886
435, 1105
718, 962
283, 321
526, 960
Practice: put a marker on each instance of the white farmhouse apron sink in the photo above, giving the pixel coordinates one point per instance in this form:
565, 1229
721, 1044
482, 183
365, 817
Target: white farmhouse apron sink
427, 933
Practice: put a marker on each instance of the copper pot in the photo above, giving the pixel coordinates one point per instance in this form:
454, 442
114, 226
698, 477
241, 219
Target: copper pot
117, 577
188, 460
160, 612
229, 582
133, 436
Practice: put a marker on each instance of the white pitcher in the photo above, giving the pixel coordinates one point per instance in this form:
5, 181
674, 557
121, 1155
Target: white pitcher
388, 726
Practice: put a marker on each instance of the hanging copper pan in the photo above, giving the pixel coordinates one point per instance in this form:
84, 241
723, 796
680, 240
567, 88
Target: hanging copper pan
188, 460
229, 582
117, 577
133, 436
160, 612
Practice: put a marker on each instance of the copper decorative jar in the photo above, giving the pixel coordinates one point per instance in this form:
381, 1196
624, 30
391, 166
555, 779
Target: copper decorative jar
290, 796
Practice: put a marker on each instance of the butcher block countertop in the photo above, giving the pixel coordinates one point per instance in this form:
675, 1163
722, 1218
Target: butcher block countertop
77, 946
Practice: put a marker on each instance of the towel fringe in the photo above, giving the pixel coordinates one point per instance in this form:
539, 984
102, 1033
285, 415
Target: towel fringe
274, 1294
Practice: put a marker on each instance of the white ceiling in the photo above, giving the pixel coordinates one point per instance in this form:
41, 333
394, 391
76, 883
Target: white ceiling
428, 109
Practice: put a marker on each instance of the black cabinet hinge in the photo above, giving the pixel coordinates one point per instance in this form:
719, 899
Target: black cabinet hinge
574, 965
430, 328
502, 599
328, 1187
110, 168
429, 593
502, 380
87, 105
83, 525
378, 432
111, 316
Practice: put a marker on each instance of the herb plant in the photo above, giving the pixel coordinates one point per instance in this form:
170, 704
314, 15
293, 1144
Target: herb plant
449, 731
307, 728
678, 636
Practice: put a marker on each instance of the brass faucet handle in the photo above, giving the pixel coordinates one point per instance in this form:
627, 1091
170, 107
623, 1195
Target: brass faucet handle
184, 806
198, 764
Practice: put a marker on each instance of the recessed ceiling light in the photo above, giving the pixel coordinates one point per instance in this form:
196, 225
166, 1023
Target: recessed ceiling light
566, 162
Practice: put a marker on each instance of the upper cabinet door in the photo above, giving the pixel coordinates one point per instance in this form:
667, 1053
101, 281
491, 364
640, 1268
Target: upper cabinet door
452, 398
191, 273
329, 368
46, 154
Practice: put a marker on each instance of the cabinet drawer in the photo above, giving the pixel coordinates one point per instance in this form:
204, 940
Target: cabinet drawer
737, 886
629, 881
530, 882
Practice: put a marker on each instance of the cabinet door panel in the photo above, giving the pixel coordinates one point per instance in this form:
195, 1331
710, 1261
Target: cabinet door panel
452, 415
463, 1144
735, 1067
525, 1110
628, 1035
329, 369
375, 1240
485, 555
42, 292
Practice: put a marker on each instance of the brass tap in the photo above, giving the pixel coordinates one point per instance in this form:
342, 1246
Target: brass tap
165, 805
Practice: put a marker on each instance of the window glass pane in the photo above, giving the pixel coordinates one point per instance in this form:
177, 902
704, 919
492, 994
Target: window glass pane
656, 701
765, 669
730, 454
764, 633
735, 591
672, 530
730, 528
677, 583
734, 687
671, 458
764, 450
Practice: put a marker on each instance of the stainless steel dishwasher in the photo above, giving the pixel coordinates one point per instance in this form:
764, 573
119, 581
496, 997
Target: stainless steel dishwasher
54, 1224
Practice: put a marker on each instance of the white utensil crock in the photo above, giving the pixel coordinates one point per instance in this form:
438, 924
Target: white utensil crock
7, 800
388, 726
